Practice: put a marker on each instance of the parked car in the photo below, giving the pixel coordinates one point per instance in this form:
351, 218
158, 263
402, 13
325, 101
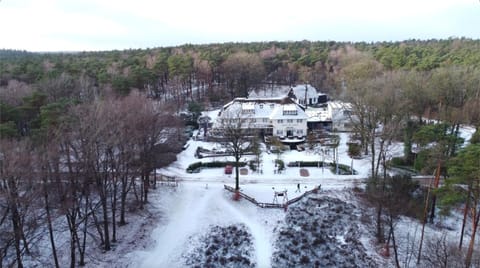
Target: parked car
228, 169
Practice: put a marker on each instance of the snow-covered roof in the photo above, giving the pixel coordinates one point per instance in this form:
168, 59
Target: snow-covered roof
282, 91
212, 114
248, 106
299, 91
289, 107
266, 108
275, 92
278, 113
339, 105
318, 114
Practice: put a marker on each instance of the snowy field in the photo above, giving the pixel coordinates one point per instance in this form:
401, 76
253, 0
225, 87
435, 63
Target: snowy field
200, 210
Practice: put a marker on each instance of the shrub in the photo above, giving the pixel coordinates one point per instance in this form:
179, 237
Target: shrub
475, 137
342, 169
194, 166
252, 165
354, 149
398, 161
216, 164
219, 164
305, 164
280, 164
421, 161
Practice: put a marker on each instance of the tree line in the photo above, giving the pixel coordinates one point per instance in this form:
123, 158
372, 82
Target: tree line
217, 72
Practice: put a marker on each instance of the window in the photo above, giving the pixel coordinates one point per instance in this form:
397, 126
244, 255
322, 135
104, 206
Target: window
261, 106
280, 121
289, 112
299, 120
265, 120
272, 106
299, 131
289, 120
279, 132
253, 120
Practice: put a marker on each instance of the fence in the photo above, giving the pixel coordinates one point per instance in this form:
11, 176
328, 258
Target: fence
273, 205
168, 180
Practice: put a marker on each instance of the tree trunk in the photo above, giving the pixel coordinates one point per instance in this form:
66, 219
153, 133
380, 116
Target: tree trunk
97, 224
16, 219
114, 210
146, 183
434, 197
106, 233
392, 233
380, 235
72, 230
465, 215
50, 227
468, 258
237, 176
82, 247
123, 200
17, 235
425, 212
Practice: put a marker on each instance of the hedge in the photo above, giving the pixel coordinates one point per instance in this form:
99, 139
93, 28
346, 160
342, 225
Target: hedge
343, 169
280, 164
217, 164
306, 164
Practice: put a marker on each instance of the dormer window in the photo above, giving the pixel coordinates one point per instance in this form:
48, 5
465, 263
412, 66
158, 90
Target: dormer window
289, 109
248, 108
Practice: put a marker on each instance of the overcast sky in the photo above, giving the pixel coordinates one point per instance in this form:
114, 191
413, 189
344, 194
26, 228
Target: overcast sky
82, 25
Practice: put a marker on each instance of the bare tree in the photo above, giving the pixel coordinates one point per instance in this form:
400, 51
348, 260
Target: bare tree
17, 200
236, 135
440, 252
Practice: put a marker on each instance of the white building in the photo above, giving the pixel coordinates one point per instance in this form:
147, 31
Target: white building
281, 117
341, 115
304, 94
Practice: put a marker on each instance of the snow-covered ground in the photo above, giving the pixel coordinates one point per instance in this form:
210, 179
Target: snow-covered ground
199, 209
200, 203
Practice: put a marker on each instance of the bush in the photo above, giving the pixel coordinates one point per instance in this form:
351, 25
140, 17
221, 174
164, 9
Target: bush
398, 161
252, 165
216, 164
194, 166
305, 164
475, 137
280, 164
342, 169
354, 149
421, 161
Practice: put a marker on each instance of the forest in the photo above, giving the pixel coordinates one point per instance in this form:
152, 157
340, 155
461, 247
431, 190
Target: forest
81, 133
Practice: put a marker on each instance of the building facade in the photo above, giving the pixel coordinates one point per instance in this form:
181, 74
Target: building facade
280, 117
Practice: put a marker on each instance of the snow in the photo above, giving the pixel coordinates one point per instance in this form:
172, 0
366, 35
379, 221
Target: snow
200, 201
199, 209
192, 209
466, 133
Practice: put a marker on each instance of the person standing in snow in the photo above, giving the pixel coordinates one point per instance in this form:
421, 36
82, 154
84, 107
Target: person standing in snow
298, 188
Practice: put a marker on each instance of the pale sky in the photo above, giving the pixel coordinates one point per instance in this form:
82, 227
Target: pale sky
85, 25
